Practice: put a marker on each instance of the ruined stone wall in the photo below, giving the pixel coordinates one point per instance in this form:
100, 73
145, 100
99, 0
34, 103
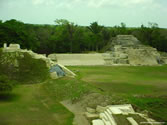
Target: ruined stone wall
11, 53
126, 49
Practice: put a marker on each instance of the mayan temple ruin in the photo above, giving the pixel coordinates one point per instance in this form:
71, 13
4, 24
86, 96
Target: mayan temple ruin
126, 49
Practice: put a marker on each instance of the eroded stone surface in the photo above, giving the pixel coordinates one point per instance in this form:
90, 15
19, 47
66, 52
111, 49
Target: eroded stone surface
98, 122
78, 59
126, 49
112, 115
90, 110
15, 51
100, 109
132, 121
91, 115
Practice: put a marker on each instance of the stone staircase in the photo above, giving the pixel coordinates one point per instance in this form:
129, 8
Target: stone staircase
109, 116
127, 50
116, 57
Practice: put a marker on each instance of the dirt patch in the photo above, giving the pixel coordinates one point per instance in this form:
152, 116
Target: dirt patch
94, 99
78, 111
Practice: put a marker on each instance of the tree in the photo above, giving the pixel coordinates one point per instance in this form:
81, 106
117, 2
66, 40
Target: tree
61, 21
96, 30
152, 36
106, 35
78, 40
120, 30
5, 84
65, 36
69, 28
13, 31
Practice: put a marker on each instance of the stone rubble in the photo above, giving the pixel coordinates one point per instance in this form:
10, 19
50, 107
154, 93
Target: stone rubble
90, 110
127, 50
106, 115
91, 115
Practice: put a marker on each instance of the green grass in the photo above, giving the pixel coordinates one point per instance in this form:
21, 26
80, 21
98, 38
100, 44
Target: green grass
38, 104
125, 79
158, 106
30, 105
67, 88
143, 86
122, 119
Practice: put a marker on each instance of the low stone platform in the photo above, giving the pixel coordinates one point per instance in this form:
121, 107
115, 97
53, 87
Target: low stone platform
79, 59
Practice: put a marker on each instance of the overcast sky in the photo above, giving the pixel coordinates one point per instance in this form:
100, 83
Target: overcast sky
83, 12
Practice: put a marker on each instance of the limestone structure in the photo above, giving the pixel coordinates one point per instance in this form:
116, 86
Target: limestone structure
11, 48
78, 59
126, 49
115, 114
163, 57
55, 68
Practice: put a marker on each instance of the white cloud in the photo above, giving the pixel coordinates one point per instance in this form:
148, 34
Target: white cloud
36, 2
121, 3
46, 2
98, 3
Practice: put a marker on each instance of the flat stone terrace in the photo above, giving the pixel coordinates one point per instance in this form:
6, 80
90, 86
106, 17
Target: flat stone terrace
80, 59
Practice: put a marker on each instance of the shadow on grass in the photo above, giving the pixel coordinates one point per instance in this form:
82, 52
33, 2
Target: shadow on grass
8, 97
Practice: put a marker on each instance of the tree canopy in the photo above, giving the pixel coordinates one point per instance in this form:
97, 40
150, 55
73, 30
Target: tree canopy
67, 37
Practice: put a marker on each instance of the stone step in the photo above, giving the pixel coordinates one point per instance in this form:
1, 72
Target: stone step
110, 117
105, 119
109, 111
115, 110
103, 116
106, 122
97, 122
91, 115
132, 121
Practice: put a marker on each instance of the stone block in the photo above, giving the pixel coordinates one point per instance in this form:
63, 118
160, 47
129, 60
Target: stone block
97, 122
91, 115
132, 121
52, 57
115, 110
90, 110
103, 116
53, 75
123, 56
123, 61
4, 45
14, 46
100, 109
110, 118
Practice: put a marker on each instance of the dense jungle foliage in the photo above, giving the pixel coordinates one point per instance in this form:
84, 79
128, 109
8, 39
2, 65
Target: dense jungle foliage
67, 37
